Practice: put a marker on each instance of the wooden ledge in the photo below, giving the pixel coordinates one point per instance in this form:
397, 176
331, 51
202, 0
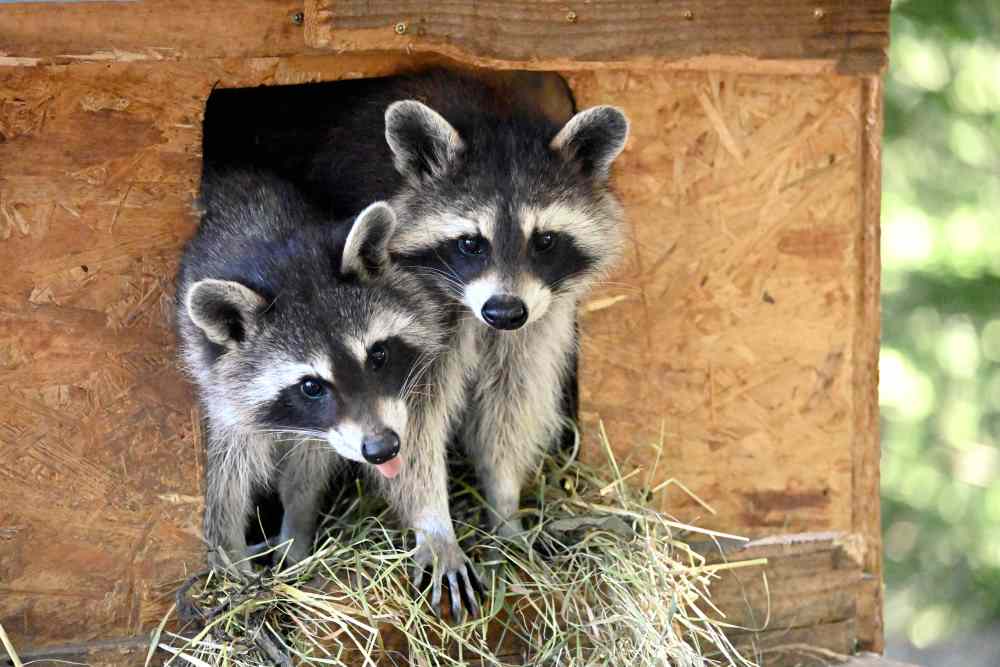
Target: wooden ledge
790, 36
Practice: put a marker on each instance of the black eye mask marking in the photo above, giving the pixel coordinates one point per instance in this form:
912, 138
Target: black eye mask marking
555, 256
397, 362
451, 264
309, 404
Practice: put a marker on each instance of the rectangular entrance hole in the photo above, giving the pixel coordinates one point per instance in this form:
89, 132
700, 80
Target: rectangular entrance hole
294, 132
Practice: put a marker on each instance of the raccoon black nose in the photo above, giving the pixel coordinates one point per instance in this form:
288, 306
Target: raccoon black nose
377, 449
505, 312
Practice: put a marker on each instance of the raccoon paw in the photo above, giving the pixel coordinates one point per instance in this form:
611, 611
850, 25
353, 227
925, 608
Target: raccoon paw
238, 565
441, 561
285, 553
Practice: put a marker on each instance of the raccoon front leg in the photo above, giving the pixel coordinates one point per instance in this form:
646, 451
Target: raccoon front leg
516, 415
235, 466
503, 457
419, 496
305, 474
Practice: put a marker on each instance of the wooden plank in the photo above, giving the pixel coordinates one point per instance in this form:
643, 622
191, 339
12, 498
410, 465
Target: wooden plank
129, 652
101, 487
744, 35
74, 32
804, 35
806, 596
808, 603
867, 515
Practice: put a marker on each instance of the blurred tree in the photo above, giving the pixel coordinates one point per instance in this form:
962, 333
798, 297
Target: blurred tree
940, 367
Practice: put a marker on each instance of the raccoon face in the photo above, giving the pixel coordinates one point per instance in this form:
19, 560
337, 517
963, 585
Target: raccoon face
333, 362
510, 218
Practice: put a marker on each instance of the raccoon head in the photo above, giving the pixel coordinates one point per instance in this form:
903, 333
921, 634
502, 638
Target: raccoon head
331, 360
508, 214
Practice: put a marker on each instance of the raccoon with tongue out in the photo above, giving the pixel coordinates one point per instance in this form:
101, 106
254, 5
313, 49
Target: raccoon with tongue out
505, 218
504, 213
305, 356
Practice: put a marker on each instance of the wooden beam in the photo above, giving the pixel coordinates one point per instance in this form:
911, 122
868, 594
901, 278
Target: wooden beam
797, 35
741, 35
804, 602
75, 32
866, 515
805, 614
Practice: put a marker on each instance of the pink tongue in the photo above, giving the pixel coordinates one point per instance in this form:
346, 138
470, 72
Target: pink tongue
390, 468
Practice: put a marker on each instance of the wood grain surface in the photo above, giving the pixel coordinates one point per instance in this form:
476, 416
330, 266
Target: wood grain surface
849, 37
744, 35
740, 329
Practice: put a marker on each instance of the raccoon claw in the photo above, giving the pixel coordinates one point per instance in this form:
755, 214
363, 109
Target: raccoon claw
463, 590
472, 589
463, 585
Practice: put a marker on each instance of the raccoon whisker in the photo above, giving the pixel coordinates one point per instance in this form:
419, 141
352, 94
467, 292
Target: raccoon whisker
294, 433
431, 271
298, 431
436, 274
294, 448
420, 366
452, 275
617, 285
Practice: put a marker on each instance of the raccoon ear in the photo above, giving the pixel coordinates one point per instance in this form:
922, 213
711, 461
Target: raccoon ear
365, 252
593, 138
224, 310
423, 143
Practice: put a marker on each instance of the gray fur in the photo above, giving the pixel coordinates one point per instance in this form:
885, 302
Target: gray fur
299, 308
515, 183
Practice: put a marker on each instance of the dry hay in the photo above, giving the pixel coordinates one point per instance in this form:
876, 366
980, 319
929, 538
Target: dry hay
616, 585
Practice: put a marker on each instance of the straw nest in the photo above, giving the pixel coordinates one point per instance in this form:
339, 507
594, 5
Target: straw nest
600, 579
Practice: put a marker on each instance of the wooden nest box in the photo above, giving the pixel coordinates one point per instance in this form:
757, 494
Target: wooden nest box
743, 326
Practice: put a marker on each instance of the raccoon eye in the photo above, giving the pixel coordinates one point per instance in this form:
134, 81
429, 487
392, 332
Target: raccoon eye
543, 242
311, 388
471, 245
378, 355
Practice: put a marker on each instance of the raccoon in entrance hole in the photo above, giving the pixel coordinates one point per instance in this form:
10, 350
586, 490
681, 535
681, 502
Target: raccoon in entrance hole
502, 212
306, 354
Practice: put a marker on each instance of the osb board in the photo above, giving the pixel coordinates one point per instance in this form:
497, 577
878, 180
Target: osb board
747, 35
814, 35
743, 328
101, 483
736, 320
798, 609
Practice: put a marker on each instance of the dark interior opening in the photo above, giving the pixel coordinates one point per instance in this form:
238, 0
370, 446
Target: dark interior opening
279, 129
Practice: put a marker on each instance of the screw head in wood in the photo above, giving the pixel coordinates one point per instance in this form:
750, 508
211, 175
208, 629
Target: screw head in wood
400, 28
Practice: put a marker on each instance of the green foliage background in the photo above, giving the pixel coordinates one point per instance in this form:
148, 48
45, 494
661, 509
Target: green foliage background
940, 367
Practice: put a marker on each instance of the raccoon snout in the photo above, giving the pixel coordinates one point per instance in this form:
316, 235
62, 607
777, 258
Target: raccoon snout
505, 312
377, 449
